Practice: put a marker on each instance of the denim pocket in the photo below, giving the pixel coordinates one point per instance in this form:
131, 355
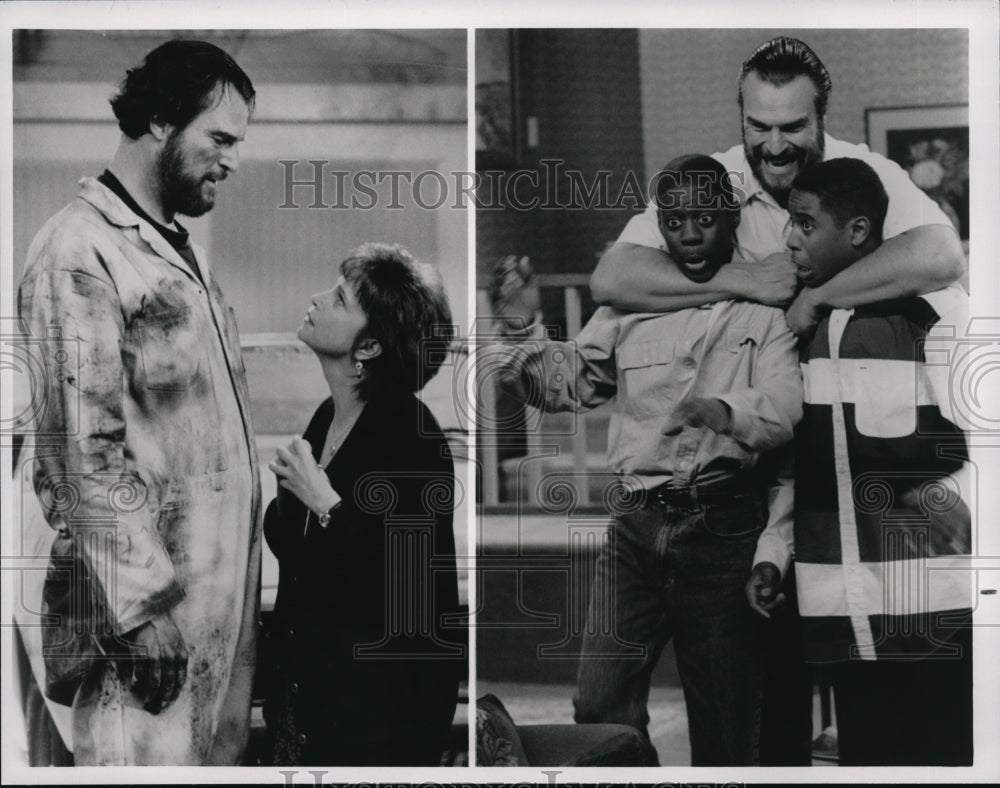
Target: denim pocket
742, 518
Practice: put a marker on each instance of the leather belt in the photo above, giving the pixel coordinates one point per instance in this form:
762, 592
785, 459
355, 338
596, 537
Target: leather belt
705, 495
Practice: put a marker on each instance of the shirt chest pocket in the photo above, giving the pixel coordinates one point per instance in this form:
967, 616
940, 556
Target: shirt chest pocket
648, 383
171, 350
885, 398
742, 346
744, 339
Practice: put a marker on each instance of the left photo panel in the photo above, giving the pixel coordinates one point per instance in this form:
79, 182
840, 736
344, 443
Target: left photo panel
238, 520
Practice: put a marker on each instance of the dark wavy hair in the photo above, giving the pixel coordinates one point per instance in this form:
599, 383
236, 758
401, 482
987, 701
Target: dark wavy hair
780, 60
407, 311
847, 188
175, 83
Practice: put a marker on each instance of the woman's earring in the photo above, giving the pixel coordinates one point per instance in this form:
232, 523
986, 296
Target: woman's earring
360, 368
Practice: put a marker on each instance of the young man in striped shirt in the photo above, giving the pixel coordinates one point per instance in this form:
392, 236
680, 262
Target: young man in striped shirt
882, 525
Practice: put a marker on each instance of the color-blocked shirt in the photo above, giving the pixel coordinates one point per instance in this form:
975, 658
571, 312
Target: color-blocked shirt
875, 572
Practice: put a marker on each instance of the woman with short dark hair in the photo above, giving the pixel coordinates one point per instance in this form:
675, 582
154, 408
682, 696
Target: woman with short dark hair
364, 670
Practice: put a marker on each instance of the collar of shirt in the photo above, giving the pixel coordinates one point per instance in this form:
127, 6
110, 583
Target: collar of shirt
748, 187
108, 203
763, 221
117, 213
177, 238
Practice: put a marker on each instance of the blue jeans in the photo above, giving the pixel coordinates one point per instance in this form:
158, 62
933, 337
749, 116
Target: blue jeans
679, 572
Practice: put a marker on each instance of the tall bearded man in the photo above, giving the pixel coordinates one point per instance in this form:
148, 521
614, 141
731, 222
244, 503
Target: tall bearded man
149, 476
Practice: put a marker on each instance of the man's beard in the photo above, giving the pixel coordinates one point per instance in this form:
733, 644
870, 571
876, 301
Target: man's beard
804, 157
180, 192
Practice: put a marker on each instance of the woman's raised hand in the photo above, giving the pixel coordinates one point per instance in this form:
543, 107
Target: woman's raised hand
299, 473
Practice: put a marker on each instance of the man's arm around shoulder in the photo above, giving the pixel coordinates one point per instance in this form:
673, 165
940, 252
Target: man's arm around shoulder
915, 262
637, 278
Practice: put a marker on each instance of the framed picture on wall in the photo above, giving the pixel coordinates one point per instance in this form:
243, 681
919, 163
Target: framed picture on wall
496, 99
932, 144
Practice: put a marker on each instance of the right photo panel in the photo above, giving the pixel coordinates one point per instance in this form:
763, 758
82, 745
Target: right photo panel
726, 502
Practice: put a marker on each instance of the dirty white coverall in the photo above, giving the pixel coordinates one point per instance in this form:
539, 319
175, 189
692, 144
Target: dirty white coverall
146, 428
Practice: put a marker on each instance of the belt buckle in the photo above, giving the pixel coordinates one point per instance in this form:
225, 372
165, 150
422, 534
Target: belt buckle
684, 496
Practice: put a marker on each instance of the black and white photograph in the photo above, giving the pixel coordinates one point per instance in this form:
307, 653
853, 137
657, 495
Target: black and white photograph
727, 490
547, 395
238, 525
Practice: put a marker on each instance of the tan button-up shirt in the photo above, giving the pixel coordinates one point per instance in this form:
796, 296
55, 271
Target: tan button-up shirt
739, 352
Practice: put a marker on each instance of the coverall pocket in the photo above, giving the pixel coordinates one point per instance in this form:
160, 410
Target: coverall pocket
171, 350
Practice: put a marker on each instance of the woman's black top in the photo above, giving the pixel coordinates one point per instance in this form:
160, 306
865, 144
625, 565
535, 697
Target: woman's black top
364, 650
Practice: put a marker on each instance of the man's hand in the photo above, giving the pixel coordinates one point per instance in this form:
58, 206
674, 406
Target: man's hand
513, 296
950, 521
704, 412
762, 589
769, 281
157, 668
805, 312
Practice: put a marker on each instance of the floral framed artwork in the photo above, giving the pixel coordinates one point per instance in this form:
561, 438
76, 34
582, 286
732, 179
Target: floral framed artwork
932, 144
